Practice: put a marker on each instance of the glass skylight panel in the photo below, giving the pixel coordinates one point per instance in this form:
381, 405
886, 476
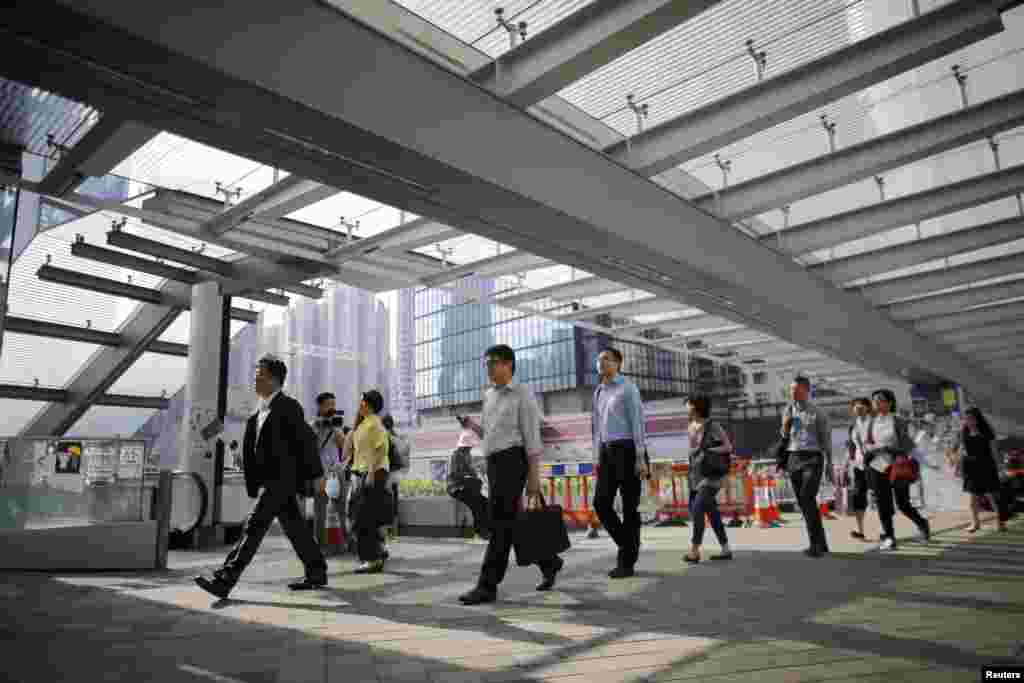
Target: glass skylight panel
178, 163
53, 362
706, 58
474, 21
107, 421
17, 414
328, 213
994, 68
152, 374
33, 298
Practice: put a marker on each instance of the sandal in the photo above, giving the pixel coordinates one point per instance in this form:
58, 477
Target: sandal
858, 535
974, 529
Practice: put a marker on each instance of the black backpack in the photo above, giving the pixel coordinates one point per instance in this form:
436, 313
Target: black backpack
712, 465
396, 459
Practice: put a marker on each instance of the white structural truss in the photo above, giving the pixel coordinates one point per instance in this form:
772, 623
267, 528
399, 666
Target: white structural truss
776, 271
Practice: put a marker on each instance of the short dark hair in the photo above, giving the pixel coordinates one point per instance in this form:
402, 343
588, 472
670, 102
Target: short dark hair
275, 366
388, 422
615, 353
862, 399
887, 395
374, 400
503, 353
702, 403
326, 396
801, 379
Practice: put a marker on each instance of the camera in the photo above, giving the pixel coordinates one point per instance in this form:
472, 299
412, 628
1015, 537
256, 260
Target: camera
339, 418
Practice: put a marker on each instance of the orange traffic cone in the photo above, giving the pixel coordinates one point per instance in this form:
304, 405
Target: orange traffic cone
763, 502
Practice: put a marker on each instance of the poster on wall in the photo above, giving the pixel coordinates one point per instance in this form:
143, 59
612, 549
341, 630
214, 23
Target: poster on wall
100, 461
132, 457
67, 457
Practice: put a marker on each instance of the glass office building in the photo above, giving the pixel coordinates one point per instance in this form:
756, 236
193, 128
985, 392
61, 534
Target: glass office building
453, 330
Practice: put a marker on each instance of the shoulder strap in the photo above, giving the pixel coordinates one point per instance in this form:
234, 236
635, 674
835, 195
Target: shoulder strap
704, 434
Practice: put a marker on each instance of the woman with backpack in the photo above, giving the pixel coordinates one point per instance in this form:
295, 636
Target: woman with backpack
710, 455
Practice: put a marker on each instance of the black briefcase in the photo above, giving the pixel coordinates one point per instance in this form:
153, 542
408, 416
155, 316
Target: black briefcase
540, 533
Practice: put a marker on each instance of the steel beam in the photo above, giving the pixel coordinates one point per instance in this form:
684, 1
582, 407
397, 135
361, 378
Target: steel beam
414, 234
870, 158
693, 322
229, 271
1012, 353
564, 291
130, 261
289, 191
920, 251
142, 265
977, 346
970, 319
894, 213
482, 166
108, 365
780, 98
42, 328
124, 290
941, 279
981, 332
62, 396
647, 305
494, 266
579, 44
945, 304
110, 141
102, 285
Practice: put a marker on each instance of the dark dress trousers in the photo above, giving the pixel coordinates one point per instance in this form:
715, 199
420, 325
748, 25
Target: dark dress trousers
278, 463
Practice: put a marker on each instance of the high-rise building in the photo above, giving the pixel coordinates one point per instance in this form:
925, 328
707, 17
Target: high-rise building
558, 360
337, 344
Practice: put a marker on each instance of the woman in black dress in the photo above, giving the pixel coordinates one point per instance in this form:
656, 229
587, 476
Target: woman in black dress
978, 465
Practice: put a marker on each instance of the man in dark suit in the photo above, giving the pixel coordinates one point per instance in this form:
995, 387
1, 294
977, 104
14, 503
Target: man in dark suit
280, 459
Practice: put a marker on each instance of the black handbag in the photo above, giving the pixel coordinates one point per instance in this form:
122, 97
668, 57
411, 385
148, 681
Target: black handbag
540, 534
781, 451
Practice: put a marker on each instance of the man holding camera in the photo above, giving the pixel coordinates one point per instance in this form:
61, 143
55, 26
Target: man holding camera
330, 440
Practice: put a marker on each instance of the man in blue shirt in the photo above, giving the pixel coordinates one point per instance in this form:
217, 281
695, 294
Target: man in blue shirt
617, 427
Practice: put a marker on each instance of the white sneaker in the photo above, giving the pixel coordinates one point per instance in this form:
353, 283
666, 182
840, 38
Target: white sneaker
887, 544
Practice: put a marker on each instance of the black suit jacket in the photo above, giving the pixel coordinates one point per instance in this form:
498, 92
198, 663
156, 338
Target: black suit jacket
283, 455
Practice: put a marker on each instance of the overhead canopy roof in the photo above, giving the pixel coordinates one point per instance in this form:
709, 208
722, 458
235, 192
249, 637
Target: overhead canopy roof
694, 71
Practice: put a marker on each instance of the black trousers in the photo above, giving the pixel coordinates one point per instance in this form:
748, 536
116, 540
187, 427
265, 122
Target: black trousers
506, 473
617, 474
859, 490
885, 492
805, 472
279, 502
373, 510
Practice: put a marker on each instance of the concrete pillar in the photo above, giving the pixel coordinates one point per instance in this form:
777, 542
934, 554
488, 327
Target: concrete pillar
202, 385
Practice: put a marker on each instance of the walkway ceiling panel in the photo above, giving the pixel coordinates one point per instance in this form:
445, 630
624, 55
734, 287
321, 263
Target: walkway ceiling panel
462, 157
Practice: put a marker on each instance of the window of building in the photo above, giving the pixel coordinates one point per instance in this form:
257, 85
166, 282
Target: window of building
761, 397
760, 378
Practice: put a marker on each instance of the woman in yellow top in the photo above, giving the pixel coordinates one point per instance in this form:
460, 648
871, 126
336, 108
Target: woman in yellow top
370, 466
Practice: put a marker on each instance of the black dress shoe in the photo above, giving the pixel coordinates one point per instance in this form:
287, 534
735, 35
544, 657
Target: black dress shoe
549, 577
815, 552
621, 573
215, 586
478, 596
308, 584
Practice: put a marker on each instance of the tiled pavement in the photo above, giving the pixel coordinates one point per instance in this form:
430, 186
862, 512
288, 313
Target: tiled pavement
934, 613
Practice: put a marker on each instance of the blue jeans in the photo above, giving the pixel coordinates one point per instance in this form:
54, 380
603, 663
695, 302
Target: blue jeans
705, 501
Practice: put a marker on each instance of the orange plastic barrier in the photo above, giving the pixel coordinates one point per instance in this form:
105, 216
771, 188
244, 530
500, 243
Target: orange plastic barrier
572, 486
